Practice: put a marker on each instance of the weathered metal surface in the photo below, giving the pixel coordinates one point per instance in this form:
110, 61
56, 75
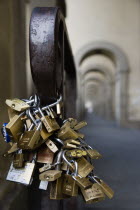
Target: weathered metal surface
50, 55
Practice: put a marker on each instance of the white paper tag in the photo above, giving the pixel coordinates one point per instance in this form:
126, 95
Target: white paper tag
43, 185
22, 175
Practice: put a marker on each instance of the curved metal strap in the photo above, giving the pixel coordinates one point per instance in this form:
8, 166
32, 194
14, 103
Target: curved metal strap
50, 54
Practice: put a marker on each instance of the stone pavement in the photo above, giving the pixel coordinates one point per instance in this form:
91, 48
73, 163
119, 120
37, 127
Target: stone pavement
119, 167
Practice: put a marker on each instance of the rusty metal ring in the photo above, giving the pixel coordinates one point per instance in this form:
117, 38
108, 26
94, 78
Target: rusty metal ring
50, 53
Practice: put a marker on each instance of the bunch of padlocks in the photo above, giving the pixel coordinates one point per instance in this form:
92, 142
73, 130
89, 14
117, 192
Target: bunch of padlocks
39, 135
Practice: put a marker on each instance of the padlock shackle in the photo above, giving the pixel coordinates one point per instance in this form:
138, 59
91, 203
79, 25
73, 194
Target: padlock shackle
59, 141
40, 111
28, 112
65, 159
84, 143
59, 159
50, 106
39, 126
76, 167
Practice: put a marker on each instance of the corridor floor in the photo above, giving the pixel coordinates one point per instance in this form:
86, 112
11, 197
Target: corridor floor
120, 165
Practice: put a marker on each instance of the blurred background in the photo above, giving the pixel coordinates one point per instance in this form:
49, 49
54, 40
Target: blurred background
105, 39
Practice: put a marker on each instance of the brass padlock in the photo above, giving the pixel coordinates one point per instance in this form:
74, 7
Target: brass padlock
80, 125
65, 124
56, 186
80, 135
11, 113
49, 123
13, 148
51, 112
18, 161
93, 154
67, 133
51, 146
50, 175
72, 141
15, 127
28, 123
106, 189
70, 165
69, 184
56, 189
82, 182
17, 104
64, 166
84, 167
30, 138
69, 146
93, 194
44, 133
46, 167
73, 122
76, 153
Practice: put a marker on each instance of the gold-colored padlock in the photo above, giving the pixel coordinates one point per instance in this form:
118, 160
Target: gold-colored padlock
66, 124
73, 122
13, 148
50, 175
80, 135
69, 184
93, 194
80, 125
82, 182
18, 161
30, 138
51, 112
64, 166
11, 113
28, 123
17, 104
49, 123
56, 186
56, 189
44, 134
106, 189
46, 167
72, 141
67, 133
84, 167
15, 127
76, 153
93, 154
71, 144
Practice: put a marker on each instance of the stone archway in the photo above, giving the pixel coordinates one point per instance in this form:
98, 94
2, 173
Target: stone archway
119, 59
101, 104
109, 78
